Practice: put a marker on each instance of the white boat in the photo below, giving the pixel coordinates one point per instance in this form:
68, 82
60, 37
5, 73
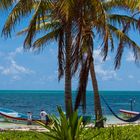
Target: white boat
129, 113
8, 115
11, 115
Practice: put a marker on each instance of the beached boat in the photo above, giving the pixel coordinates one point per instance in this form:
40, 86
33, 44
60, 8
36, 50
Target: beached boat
8, 115
128, 113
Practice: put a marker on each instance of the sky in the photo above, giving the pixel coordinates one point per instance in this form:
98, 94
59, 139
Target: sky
27, 70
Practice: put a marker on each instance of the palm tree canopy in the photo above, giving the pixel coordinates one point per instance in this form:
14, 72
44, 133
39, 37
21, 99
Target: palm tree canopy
97, 14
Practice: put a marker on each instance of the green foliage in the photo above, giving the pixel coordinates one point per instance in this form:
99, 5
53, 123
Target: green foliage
20, 135
116, 133
66, 129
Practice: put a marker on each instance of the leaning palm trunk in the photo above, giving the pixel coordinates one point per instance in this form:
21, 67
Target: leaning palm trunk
68, 94
97, 105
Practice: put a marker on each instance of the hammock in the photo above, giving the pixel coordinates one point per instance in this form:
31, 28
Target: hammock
133, 119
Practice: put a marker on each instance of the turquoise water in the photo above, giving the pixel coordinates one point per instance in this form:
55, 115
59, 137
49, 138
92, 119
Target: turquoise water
24, 101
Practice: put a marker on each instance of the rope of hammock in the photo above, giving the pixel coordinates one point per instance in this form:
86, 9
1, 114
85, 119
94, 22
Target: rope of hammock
133, 119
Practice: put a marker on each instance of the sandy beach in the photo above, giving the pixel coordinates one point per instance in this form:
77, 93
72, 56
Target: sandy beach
21, 127
111, 121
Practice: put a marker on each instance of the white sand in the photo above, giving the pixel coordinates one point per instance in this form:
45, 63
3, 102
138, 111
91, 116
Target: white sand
22, 127
113, 121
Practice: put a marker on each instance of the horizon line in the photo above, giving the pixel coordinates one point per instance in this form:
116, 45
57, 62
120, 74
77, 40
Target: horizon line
62, 90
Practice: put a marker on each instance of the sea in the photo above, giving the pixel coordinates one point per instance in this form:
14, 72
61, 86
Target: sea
34, 101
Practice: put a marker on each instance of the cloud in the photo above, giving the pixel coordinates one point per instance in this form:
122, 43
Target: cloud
13, 54
130, 57
130, 76
53, 51
14, 68
10, 66
15, 78
98, 57
1, 68
106, 74
53, 76
17, 51
101, 71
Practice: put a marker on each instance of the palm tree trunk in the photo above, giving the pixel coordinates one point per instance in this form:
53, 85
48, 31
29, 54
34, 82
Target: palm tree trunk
68, 94
97, 105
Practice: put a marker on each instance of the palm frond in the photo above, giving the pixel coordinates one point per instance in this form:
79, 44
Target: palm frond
40, 42
105, 42
5, 4
76, 55
122, 20
39, 13
119, 55
64, 9
125, 42
130, 5
21, 9
61, 59
44, 26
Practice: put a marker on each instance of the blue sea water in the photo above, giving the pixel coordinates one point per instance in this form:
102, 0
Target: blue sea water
29, 100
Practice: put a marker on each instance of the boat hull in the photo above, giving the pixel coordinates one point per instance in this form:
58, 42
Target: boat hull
128, 113
7, 115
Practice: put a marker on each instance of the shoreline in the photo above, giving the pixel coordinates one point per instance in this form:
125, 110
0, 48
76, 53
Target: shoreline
21, 127
111, 122
7, 126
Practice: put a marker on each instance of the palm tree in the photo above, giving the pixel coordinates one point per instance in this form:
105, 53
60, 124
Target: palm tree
102, 25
